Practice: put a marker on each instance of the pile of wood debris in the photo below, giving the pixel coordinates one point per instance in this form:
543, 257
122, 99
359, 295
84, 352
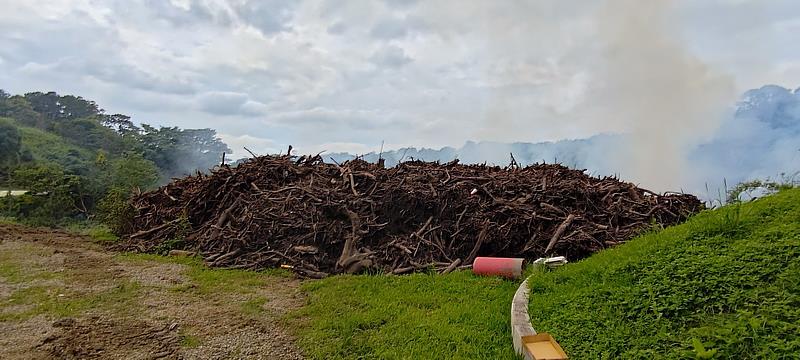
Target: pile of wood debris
319, 218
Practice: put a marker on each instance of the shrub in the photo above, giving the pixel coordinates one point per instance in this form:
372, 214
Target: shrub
115, 211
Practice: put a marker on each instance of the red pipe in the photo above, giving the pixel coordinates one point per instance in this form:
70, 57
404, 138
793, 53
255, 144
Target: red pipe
493, 266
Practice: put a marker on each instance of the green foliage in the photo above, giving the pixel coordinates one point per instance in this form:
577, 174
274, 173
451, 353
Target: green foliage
170, 244
16, 107
132, 171
48, 148
82, 162
722, 285
55, 107
53, 194
419, 316
179, 152
115, 211
101, 233
90, 133
10, 146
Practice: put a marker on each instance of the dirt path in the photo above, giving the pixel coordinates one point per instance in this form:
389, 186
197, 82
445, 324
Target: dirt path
64, 297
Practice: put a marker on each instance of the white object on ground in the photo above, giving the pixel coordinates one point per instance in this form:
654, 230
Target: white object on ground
551, 262
520, 320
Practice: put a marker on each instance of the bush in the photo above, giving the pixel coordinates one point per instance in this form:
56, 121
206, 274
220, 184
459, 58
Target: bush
116, 212
53, 195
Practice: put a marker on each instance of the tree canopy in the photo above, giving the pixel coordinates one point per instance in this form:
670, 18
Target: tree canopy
10, 143
72, 155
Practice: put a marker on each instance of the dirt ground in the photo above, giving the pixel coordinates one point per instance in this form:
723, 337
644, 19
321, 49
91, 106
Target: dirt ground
62, 296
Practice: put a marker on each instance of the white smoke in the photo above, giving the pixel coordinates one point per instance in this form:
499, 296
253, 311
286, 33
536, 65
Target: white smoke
556, 69
653, 86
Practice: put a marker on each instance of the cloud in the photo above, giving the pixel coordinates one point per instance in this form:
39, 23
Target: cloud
396, 27
222, 102
259, 146
268, 16
321, 118
337, 28
423, 73
390, 56
389, 29
336, 147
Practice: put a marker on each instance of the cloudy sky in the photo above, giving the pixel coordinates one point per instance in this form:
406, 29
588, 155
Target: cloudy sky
347, 75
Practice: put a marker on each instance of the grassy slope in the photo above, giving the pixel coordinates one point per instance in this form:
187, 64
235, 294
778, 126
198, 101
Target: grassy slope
724, 285
49, 147
420, 316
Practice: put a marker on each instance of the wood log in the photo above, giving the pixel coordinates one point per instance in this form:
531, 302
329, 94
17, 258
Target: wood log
559, 231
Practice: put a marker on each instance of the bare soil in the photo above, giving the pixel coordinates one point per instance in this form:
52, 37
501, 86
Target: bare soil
91, 303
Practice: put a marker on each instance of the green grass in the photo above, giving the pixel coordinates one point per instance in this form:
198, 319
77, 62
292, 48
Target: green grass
254, 307
59, 302
726, 284
420, 316
15, 269
99, 232
16, 273
8, 220
189, 341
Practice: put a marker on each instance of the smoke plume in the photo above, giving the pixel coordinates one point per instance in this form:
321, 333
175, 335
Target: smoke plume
653, 86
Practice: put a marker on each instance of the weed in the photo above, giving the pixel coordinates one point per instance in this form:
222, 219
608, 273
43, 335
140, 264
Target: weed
189, 341
101, 233
253, 307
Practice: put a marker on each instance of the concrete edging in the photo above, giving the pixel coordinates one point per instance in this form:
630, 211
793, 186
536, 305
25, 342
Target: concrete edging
520, 320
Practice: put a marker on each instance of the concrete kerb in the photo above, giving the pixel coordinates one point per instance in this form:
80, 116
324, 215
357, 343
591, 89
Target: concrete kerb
520, 320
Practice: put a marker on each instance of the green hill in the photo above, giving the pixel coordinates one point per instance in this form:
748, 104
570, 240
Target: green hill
726, 284
48, 147
80, 162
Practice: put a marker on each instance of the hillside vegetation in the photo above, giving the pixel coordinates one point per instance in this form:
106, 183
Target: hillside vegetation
723, 285
78, 162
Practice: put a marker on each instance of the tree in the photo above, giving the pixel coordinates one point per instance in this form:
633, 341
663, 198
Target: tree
10, 145
17, 108
180, 152
56, 108
132, 171
89, 133
76, 107
53, 194
202, 148
122, 124
46, 104
160, 146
